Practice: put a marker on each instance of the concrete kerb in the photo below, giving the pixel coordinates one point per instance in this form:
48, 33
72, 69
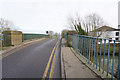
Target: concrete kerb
63, 73
24, 44
98, 73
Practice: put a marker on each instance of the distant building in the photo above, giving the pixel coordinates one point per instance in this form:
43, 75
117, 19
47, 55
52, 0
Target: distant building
118, 33
106, 32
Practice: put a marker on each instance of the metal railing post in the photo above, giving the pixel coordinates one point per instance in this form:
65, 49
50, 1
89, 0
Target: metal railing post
104, 56
100, 54
108, 58
89, 50
72, 41
118, 74
94, 52
113, 60
97, 54
80, 44
1, 39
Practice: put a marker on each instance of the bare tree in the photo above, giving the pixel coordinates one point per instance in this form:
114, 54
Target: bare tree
76, 23
70, 20
86, 25
2, 22
92, 22
89, 23
6, 25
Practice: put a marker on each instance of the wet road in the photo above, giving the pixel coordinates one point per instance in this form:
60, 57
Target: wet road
34, 61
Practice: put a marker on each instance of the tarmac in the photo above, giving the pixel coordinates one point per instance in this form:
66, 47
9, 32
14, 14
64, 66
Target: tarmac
72, 67
23, 44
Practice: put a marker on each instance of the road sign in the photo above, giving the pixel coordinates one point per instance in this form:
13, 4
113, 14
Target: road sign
46, 32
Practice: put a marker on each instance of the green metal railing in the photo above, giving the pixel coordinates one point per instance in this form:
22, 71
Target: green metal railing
25, 37
33, 36
1, 44
65, 36
103, 54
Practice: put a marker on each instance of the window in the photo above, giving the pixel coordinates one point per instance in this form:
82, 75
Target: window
117, 33
117, 38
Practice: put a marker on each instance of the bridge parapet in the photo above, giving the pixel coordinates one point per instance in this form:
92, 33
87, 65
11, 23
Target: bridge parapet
102, 56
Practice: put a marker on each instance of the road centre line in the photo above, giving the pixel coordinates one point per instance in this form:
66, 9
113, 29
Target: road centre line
48, 65
52, 66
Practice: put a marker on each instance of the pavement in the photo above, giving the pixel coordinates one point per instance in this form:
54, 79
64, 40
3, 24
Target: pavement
33, 61
72, 67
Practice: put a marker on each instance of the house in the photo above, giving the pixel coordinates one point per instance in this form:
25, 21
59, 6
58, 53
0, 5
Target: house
118, 33
106, 32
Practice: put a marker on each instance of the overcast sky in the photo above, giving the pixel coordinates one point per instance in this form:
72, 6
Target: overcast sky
38, 16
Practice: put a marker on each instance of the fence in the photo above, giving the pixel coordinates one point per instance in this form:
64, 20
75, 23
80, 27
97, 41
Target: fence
0, 44
102, 54
33, 36
9, 39
65, 36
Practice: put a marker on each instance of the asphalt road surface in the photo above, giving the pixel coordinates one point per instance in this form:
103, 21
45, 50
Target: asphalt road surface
38, 60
